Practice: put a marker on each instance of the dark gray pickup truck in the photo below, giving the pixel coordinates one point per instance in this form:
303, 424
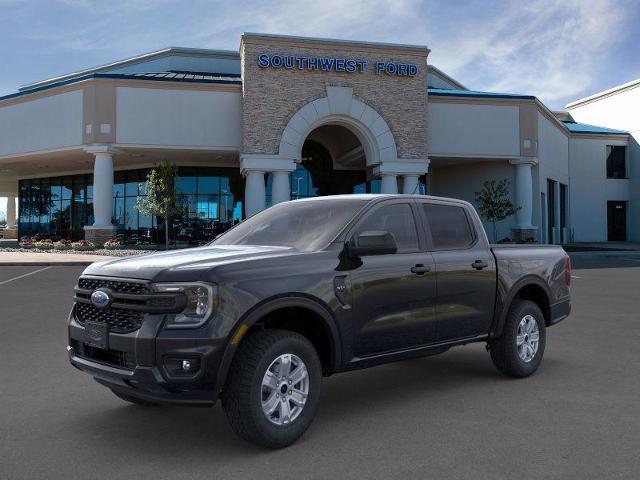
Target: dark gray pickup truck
306, 289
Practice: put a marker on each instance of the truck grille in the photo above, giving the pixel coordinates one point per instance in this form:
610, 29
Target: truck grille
117, 286
119, 321
131, 301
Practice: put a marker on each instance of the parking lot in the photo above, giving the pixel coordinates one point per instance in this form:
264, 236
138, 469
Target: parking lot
448, 416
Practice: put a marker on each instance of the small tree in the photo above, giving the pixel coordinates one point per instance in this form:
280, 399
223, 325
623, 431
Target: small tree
161, 198
494, 202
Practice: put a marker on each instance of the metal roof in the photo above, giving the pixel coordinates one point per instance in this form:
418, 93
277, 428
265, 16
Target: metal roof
444, 92
585, 128
135, 60
187, 77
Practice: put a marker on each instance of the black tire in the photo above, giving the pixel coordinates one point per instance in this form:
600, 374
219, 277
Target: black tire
242, 394
134, 400
504, 350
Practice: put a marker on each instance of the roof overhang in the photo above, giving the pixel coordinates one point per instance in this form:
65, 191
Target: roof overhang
145, 57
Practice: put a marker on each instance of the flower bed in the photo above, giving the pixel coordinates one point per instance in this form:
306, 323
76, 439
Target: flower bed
83, 245
62, 245
113, 245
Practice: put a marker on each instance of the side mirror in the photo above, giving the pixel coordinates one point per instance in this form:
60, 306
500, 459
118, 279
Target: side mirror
372, 242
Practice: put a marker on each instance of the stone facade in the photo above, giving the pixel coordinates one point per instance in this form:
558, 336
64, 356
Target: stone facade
272, 96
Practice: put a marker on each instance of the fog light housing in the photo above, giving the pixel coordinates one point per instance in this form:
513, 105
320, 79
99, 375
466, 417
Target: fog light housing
177, 367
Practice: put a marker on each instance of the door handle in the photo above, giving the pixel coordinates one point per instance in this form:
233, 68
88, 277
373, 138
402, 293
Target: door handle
420, 269
479, 264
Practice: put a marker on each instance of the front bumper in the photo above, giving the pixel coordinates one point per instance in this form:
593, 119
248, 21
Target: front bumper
140, 363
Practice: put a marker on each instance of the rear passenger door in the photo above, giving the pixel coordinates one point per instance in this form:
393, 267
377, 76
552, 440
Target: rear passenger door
465, 271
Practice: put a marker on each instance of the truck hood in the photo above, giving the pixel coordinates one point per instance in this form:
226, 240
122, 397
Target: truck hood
183, 263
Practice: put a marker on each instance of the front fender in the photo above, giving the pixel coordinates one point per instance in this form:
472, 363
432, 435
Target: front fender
270, 305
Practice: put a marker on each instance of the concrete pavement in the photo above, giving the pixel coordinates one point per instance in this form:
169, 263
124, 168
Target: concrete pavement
448, 416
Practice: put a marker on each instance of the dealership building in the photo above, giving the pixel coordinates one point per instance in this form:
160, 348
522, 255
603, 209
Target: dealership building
290, 117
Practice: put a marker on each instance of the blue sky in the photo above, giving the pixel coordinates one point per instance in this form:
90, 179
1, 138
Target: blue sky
557, 50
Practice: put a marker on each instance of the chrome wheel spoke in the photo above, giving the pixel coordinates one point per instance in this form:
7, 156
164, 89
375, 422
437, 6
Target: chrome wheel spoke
285, 411
285, 365
519, 340
299, 374
298, 397
270, 380
269, 406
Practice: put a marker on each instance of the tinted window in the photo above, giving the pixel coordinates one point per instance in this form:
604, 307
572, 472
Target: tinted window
396, 219
449, 226
305, 225
616, 162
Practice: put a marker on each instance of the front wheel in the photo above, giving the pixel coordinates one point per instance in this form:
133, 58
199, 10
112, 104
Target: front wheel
519, 350
273, 388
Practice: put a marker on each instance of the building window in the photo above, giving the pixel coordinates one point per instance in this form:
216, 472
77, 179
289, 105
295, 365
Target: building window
616, 161
60, 207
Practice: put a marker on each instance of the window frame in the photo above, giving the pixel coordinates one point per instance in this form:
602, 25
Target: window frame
351, 230
606, 162
427, 228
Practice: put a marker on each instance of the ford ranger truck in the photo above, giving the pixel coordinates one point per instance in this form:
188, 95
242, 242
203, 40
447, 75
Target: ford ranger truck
306, 289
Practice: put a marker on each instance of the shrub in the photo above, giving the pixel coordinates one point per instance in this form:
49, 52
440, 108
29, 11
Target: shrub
113, 244
26, 242
62, 245
43, 244
83, 245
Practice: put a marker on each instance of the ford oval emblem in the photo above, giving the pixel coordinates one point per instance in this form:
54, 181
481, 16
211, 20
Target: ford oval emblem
101, 298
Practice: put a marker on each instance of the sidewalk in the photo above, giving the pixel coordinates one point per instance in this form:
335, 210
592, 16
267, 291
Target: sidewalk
602, 246
36, 259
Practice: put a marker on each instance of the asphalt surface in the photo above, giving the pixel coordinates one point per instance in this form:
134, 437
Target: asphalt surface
448, 416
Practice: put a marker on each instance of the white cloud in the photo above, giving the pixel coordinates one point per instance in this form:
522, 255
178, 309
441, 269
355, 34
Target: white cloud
547, 48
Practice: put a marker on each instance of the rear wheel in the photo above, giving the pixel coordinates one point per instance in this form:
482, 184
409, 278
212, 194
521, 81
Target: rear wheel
518, 352
273, 388
134, 400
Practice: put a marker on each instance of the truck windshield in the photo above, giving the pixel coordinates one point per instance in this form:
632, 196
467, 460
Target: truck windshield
304, 225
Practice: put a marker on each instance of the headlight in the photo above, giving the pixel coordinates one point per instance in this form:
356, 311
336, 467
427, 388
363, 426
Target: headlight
201, 299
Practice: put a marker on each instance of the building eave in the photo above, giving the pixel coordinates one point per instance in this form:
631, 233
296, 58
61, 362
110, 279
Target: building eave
116, 76
606, 93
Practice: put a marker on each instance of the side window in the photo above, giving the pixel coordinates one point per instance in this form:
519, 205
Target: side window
449, 225
396, 219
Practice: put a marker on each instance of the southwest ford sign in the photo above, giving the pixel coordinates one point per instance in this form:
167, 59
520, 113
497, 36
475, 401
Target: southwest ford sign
334, 64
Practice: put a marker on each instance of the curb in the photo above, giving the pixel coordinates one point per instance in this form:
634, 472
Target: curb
45, 264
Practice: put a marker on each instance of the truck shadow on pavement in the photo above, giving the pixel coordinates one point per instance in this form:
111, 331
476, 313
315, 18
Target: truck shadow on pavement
355, 397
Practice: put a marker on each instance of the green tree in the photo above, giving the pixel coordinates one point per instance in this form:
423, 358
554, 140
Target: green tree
494, 202
161, 199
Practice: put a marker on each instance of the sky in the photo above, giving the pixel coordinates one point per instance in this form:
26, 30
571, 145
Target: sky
557, 50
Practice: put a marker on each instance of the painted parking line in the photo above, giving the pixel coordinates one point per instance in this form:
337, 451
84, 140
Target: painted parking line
575, 276
25, 275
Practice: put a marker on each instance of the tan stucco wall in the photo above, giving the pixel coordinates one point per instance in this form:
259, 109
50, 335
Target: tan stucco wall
272, 96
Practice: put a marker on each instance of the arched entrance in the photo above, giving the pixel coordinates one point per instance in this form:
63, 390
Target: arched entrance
339, 144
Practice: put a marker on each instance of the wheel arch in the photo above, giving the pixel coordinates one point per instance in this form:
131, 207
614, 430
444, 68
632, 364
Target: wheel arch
266, 311
531, 288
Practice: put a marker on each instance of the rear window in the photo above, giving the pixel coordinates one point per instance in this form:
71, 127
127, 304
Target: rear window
449, 225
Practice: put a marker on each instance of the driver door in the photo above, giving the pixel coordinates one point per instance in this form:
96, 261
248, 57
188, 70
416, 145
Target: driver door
394, 295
